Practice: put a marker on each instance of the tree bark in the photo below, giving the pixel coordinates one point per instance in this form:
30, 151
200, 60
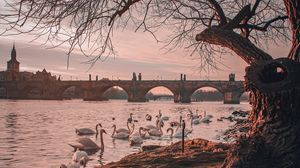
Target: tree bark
293, 11
240, 45
274, 138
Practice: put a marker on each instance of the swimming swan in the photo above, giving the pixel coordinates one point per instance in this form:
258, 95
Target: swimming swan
87, 131
119, 135
86, 144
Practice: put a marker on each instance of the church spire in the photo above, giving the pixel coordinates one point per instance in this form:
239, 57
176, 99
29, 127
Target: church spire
13, 64
13, 53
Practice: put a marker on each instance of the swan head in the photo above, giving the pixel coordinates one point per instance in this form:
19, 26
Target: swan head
83, 161
100, 125
159, 112
172, 131
76, 131
103, 130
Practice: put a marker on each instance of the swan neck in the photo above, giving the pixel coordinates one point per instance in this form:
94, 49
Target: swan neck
159, 127
101, 141
132, 129
114, 131
128, 127
97, 128
141, 134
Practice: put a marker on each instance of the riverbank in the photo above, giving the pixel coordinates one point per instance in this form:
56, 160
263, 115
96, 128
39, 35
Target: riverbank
198, 153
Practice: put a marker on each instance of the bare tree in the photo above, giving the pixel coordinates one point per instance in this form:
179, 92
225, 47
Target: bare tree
205, 27
89, 25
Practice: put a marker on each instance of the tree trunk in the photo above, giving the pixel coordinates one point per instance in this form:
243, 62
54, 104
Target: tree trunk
293, 11
274, 138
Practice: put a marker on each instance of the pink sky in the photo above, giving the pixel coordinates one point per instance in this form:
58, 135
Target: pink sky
137, 52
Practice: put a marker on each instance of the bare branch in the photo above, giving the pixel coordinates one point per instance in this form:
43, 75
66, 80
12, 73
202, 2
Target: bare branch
265, 27
219, 11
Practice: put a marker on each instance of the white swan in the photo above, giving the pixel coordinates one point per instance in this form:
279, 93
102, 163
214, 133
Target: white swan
206, 118
172, 131
164, 118
192, 115
195, 121
119, 135
128, 130
87, 131
80, 157
175, 123
129, 120
148, 117
137, 138
152, 126
178, 134
86, 144
156, 132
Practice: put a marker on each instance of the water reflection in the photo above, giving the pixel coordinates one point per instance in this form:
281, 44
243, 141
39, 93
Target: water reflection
37, 133
100, 160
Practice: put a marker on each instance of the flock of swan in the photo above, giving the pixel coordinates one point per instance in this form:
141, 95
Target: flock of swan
84, 143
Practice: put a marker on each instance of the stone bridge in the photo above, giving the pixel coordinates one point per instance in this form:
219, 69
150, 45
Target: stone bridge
136, 90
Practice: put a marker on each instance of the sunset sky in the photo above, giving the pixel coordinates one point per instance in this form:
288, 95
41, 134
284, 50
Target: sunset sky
137, 52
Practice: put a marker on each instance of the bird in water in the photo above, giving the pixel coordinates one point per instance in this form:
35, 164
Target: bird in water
164, 118
176, 123
80, 158
155, 131
148, 117
128, 130
119, 135
129, 120
87, 131
137, 138
195, 120
153, 126
86, 144
177, 134
206, 118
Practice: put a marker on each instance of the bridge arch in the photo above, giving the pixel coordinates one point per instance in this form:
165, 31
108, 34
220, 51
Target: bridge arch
165, 92
114, 92
207, 93
61, 93
218, 88
97, 93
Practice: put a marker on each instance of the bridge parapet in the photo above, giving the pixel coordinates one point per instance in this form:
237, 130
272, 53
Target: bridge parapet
136, 90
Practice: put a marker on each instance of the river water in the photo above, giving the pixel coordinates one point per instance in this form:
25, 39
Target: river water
35, 134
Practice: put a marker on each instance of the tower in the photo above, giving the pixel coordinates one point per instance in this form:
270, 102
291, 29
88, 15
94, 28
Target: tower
13, 65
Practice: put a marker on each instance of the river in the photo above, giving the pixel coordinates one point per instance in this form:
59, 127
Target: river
36, 133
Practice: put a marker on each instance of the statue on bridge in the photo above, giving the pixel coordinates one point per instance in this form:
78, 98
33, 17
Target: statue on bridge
231, 77
133, 76
140, 76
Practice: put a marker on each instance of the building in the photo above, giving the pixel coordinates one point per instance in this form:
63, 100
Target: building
13, 73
